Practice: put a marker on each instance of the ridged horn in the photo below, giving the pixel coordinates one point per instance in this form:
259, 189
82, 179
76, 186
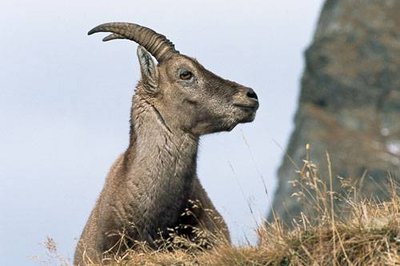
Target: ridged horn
156, 44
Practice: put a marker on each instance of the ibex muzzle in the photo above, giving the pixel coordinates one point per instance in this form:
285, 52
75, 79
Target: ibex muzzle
154, 181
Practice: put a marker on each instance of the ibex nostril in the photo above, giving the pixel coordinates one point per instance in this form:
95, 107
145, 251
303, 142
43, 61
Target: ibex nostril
251, 94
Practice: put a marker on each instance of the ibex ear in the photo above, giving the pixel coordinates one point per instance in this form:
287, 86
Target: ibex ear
149, 70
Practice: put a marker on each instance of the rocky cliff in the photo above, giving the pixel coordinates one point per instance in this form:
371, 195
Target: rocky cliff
350, 100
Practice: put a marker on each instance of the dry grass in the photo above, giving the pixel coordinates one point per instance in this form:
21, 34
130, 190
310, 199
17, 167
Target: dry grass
369, 233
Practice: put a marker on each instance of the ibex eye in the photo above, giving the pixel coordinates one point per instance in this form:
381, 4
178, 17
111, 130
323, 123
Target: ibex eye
185, 75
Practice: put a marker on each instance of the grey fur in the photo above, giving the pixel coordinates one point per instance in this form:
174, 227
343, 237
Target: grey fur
152, 182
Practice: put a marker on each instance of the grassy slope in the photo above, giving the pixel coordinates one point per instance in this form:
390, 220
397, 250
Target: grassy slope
368, 235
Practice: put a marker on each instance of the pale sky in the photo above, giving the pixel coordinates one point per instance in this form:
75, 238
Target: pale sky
65, 100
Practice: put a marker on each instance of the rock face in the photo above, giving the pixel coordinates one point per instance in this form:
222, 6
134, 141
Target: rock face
350, 100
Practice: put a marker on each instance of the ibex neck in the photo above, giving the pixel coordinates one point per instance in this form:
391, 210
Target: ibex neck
159, 155
160, 165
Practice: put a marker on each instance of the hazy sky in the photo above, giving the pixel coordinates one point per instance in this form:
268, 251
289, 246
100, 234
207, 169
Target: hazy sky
65, 99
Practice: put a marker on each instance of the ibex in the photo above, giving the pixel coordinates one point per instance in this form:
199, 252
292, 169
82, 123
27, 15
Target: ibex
154, 181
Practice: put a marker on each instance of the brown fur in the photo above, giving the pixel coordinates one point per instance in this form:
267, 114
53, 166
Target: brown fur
152, 182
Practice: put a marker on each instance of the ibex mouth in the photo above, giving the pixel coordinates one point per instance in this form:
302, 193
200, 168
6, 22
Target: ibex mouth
250, 107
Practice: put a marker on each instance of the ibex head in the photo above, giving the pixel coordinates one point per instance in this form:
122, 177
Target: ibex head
184, 93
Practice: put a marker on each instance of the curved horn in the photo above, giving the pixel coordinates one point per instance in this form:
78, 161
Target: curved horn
158, 45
